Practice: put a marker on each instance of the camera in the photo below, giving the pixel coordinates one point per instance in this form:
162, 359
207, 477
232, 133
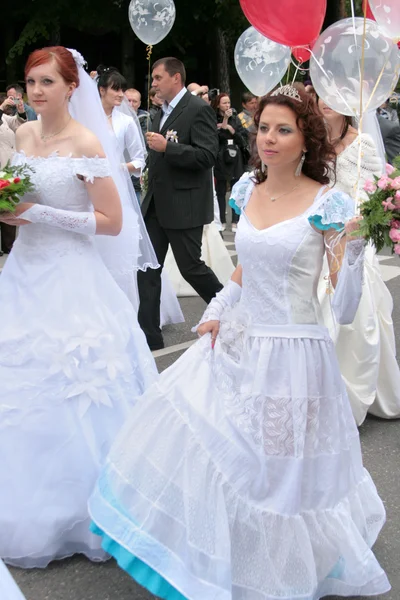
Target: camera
213, 93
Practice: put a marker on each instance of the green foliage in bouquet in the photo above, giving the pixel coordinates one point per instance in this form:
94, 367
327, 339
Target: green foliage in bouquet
381, 212
15, 182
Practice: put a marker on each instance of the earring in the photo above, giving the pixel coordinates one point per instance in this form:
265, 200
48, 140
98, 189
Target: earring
300, 165
263, 167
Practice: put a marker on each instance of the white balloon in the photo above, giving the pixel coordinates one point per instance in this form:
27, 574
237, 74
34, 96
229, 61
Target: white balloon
387, 15
260, 62
151, 20
335, 66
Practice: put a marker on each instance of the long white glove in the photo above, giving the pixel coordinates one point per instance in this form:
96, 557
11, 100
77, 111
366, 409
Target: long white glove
348, 289
71, 220
227, 297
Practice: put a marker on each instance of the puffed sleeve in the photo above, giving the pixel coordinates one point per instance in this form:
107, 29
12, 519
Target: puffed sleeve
336, 208
241, 192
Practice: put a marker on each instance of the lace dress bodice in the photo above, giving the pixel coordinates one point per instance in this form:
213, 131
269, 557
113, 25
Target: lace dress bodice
282, 264
58, 183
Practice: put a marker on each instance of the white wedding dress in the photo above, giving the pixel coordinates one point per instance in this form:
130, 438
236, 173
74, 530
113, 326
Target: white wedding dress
8, 588
366, 349
213, 252
239, 475
72, 361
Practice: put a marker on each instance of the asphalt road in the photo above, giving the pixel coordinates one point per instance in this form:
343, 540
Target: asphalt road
78, 579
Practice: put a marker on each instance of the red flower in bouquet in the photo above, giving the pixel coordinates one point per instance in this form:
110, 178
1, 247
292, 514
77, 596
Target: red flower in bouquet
14, 183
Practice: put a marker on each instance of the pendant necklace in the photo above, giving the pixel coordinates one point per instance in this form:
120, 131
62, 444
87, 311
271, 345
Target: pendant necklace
275, 198
44, 138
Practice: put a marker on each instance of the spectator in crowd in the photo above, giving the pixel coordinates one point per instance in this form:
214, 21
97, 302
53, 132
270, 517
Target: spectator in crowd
9, 123
155, 103
390, 131
134, 98
233, 140
389, 112
16, 93
249, 104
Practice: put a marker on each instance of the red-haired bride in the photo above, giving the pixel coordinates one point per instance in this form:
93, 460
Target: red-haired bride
72, 356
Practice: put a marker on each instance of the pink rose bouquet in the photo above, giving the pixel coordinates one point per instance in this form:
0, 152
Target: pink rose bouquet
381, 212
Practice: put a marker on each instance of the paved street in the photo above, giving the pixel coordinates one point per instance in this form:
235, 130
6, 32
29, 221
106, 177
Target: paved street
78, 579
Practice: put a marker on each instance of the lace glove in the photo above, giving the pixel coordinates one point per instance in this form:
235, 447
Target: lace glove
227, 297
71, 220
348, 290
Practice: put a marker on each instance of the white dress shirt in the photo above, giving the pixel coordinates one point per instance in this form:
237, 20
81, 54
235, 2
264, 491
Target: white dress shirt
168, 108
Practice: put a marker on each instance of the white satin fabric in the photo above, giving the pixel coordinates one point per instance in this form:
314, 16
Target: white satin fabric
215, 255
8, 588
365, 349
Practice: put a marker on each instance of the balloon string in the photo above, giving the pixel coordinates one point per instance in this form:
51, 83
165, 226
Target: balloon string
149, 51
360, 124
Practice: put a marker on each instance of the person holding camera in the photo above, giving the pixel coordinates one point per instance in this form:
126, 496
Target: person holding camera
233, 139
16, 95
9, 123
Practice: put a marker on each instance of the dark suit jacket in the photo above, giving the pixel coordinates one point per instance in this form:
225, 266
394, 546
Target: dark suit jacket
180, 179
391, 137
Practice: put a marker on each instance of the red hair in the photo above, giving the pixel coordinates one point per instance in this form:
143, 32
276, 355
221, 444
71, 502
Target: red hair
217, 100
63, 58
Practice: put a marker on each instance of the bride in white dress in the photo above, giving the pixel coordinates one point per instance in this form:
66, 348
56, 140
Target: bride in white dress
239, 474
366, 349
72, 356
123, 123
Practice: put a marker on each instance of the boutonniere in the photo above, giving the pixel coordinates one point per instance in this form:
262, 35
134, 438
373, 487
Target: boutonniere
172, 136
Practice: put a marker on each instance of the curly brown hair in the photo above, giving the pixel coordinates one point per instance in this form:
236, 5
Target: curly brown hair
320, 156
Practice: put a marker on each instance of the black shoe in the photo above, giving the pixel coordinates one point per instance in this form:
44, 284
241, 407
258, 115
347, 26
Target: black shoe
1, 253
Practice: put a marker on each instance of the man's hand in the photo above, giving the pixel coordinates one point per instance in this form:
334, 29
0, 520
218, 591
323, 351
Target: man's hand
7, 103
20, 107
156, 141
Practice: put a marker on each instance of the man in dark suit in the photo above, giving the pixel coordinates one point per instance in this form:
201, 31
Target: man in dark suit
183, 145
391, 137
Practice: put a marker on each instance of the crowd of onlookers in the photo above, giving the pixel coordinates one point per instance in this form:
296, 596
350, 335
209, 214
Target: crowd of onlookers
234, 131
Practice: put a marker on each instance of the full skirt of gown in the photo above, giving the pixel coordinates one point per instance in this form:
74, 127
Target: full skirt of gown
366, 349
72, 361
239, 474
215, 255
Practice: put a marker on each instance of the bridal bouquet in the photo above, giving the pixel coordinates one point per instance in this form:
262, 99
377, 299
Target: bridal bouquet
14, 183
381, 212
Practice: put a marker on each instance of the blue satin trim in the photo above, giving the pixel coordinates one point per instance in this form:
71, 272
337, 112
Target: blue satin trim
235, 207
137, 569
316, 220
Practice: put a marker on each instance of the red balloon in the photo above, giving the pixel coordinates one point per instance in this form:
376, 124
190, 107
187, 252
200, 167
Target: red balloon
369, 11
302, 53
287, 22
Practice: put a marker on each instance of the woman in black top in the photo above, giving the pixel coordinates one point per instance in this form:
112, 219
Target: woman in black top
232, 142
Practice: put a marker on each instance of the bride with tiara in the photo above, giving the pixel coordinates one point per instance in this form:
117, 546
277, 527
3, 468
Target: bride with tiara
366, 348
239, 474
72, 355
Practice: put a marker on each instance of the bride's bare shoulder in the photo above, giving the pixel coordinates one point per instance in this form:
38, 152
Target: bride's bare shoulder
26, 132
86, 143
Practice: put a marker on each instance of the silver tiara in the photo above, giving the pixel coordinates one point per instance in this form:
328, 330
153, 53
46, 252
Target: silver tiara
289, 91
